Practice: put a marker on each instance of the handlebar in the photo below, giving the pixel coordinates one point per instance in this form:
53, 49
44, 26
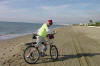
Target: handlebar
53, 32
50, 35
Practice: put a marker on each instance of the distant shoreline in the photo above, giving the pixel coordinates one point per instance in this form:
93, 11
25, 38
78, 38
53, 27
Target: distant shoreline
12, 36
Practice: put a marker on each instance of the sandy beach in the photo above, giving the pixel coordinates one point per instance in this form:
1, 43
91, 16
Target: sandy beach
77, 46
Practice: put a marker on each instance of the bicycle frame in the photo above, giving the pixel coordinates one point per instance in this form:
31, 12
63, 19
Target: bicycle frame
49, 41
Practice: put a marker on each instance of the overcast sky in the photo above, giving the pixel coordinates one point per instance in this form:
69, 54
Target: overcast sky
61, 11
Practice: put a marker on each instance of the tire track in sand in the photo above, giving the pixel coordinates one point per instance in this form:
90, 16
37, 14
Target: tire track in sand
83, 60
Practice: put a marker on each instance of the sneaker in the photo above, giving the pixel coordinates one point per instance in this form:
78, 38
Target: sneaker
31, 55
27, 56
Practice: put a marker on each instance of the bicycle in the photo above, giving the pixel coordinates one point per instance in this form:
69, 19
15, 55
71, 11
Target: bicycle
35, 54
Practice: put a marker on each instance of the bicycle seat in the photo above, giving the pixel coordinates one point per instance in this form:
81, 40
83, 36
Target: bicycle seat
34, 36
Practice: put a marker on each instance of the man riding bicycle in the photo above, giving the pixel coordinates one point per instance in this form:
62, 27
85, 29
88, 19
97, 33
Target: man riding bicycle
42, 34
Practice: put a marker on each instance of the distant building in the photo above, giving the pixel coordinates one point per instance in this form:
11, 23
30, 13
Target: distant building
81, 24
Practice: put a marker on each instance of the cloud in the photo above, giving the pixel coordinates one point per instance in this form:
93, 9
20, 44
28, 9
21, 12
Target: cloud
30, 11
54, 10
8, 13
16, 14
54, 7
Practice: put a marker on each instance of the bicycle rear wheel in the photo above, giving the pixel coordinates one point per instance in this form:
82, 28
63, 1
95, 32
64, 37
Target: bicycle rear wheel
53, 52
32, 53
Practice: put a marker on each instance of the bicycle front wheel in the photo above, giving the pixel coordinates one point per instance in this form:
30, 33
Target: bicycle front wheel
53, 52
31, 55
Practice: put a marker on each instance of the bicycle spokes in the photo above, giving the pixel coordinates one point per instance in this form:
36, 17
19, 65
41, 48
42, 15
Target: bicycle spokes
33, 55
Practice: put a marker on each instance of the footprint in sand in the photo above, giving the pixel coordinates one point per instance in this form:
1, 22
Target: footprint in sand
5, 48
4, 54
10, 50
2, 58
14, 55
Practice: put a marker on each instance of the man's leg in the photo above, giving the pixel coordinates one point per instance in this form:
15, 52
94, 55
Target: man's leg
44, 46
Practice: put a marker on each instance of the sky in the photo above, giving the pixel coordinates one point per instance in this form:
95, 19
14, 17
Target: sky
60, 11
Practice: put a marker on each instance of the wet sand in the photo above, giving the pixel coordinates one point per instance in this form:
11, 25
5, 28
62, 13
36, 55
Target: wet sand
77, 45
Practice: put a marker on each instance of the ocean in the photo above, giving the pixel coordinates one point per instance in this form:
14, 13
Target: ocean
10, 30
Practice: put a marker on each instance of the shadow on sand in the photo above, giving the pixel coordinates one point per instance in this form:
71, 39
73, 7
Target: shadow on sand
66, 57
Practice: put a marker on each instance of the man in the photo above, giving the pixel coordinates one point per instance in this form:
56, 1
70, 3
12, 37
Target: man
42, 34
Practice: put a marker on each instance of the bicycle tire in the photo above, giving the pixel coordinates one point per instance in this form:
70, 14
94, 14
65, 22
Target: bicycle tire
25, 58
51, 47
